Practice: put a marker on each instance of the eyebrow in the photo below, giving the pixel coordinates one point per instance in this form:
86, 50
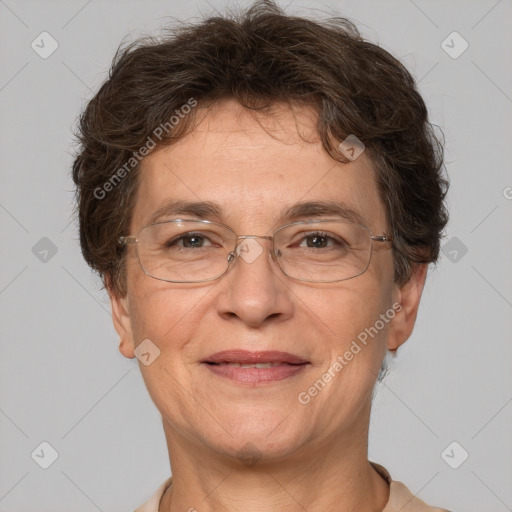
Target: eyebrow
321, 209
208, 210
202, 209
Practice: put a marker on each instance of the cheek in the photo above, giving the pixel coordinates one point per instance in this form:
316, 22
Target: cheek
352, 322
165, 316
350, 347
169, 319
352, 307
155, 306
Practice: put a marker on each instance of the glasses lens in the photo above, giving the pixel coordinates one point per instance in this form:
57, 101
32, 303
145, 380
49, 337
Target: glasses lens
185, 251
323, 251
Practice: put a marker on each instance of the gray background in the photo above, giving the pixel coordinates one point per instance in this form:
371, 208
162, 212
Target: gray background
63, 380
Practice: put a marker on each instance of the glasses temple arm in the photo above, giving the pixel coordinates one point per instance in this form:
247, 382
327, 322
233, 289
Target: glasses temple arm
124, 240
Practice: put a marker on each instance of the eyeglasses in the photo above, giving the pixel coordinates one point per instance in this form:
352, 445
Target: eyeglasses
193, 251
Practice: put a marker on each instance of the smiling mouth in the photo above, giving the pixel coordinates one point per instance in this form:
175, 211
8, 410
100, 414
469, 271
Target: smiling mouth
255, 367
246, 357
256, 374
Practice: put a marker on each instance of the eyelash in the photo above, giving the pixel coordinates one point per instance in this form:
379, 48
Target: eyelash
191, 234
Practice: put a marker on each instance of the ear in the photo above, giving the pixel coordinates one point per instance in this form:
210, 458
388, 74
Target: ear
122, 323
408, 296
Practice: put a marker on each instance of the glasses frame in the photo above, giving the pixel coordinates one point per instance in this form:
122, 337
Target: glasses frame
134, 239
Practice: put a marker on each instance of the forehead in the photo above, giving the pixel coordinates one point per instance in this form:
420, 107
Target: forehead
254, 168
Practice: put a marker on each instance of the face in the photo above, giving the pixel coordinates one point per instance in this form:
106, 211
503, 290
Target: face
253, 169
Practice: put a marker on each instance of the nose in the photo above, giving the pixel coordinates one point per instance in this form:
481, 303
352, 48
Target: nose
254, 290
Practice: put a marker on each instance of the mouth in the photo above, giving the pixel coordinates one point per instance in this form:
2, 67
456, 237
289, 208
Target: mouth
255, 367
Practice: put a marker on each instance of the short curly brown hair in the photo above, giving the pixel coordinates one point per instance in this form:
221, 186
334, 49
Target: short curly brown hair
259, 57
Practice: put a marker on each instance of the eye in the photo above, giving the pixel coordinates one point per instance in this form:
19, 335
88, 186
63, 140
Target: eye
188, 241
321, 240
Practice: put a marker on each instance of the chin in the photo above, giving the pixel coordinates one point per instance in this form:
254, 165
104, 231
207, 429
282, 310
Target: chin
268, 442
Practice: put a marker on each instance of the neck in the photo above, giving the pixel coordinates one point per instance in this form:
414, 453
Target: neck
332, 475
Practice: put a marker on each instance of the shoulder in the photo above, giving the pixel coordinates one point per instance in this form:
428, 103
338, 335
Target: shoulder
153, 503
401, 498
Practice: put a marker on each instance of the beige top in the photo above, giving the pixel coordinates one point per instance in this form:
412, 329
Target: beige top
400, 498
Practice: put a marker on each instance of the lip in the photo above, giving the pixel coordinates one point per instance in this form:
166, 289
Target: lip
285, 365
247, 357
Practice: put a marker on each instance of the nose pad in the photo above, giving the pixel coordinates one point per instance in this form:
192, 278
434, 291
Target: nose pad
274, 255
249, 250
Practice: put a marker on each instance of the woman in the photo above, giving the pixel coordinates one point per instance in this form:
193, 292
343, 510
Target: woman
262, 196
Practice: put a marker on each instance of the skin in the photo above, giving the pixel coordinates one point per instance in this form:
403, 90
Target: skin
307, 457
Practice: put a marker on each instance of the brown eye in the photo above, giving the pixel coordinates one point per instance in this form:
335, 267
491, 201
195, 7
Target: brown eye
317, 241
321, 241
189, 240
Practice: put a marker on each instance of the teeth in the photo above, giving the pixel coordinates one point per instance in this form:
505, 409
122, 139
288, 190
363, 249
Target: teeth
254, 365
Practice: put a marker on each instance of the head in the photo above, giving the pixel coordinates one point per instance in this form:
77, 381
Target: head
248, 113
